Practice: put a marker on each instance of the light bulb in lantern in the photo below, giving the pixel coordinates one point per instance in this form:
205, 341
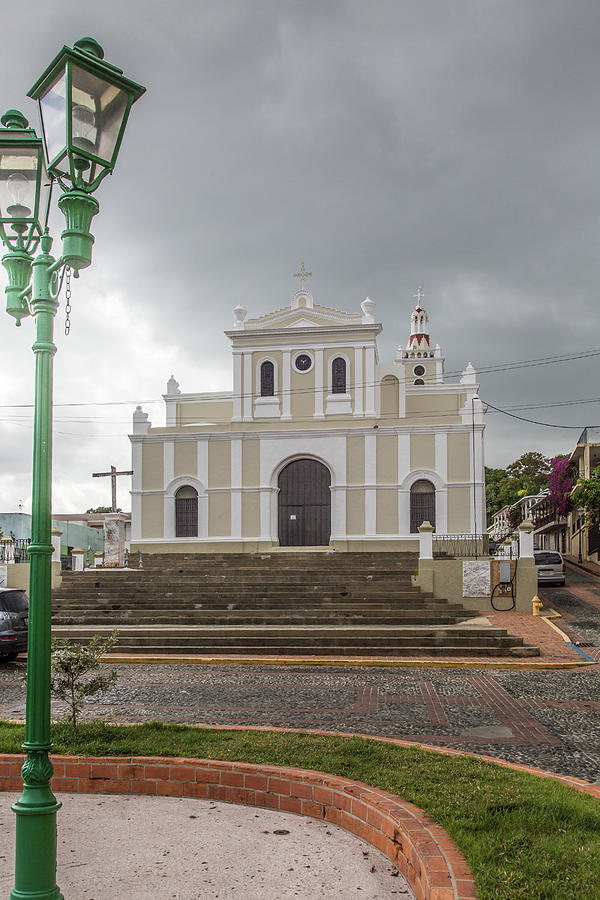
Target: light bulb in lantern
18, 186
84, 128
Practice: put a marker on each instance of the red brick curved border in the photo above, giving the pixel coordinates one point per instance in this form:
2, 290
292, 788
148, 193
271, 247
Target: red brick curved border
422, 850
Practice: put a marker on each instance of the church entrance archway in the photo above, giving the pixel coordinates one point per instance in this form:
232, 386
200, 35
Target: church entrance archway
304, 504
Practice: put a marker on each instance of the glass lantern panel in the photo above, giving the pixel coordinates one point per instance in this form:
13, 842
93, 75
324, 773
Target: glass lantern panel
98, 108
18, 174
53, 107
44, 193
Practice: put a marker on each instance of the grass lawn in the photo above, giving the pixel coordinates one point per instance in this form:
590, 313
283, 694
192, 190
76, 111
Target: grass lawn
523, 837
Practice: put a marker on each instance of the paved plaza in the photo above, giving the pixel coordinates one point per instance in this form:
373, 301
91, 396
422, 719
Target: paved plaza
542, 717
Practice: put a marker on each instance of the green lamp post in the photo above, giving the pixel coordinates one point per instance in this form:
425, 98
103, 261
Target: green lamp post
84, 105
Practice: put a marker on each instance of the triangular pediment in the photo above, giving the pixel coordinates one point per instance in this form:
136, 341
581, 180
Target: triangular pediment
302, 323
317, 316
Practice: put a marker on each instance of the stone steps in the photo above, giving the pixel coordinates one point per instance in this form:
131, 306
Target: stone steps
283, 604
89, 618
301, 641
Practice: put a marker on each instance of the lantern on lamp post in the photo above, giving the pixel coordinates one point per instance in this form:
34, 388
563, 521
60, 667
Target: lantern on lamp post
24, 195
84, 105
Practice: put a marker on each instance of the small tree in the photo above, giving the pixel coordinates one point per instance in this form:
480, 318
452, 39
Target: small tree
71, 664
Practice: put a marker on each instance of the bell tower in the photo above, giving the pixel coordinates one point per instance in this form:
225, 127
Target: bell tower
423, 362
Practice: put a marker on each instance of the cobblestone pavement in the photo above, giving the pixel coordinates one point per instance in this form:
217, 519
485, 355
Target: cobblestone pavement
545, 718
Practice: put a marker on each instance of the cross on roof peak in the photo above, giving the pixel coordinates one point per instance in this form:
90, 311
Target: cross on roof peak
419, 295
302, 274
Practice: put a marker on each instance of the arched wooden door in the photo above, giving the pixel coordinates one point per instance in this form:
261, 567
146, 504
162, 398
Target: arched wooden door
304, 504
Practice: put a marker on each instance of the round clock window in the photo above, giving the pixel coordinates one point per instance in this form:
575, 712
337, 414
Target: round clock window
303, 362
419, 370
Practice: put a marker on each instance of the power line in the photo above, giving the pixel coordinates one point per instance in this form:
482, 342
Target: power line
431, 379
533, 421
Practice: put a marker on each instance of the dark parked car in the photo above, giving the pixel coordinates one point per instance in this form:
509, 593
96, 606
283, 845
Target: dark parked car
550, 567
14, 611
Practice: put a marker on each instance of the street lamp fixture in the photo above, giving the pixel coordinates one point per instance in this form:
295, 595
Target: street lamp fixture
580, 515
84, 105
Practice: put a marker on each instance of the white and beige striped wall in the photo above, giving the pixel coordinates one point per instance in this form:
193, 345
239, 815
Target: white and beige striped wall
372, 471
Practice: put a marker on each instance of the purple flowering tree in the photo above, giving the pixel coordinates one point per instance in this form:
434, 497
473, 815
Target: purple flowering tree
560, 483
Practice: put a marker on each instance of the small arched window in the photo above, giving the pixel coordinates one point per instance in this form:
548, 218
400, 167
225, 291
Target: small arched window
267, 379
422, 504
186, 512
338, 376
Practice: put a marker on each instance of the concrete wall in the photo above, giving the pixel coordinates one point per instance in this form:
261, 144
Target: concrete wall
443, 577
17, 576
74, 534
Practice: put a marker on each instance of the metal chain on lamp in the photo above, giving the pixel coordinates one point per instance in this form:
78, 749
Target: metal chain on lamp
68, 303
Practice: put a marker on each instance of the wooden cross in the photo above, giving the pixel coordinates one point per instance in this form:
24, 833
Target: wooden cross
113, 477
419, 295
302, 274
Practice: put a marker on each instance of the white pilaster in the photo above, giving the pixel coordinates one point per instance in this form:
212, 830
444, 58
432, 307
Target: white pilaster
136, 487
319, 384
477, 493
265, 514
136, 517
338, 513
170, 411
403, 456
370, 382
370, 481
441, 511
358, 382
236, 484
237, 386
203, 463
403, 471
247, 386
168, 463
441, 455
286, 397
169, 499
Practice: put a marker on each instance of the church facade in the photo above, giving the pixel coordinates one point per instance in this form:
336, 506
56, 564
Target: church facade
319, 443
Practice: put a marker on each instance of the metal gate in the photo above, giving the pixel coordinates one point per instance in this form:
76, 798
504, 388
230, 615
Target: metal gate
304, 504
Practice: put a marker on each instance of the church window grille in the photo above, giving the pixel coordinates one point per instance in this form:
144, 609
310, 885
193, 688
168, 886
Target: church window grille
419, 381
338, 376
267, 379
422, 504
186, 512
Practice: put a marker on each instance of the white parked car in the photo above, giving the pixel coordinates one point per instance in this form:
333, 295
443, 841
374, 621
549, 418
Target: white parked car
550, 567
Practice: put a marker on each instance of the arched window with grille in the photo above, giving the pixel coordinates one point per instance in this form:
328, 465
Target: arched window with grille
267, 379
186, 512
422, 504
338, 376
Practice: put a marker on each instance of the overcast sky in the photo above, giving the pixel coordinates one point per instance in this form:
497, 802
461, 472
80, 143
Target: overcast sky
386, 144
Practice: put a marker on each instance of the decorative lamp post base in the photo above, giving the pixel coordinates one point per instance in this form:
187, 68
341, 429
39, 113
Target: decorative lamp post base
78, 209
18, 266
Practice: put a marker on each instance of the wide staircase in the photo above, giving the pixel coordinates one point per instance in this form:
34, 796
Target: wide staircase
275, 604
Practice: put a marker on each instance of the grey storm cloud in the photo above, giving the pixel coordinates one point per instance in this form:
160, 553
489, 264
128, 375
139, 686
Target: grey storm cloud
387, 144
